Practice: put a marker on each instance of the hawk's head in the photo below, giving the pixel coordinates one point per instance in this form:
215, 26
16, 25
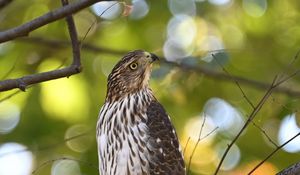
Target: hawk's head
130, 74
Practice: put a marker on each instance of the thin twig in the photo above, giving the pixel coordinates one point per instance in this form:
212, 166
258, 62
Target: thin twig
63, 158
284, 106
186, 145
257, 108
51, 146
250, 118
194, 149
10, 70
235, 81
272, 153
199, 139
264, 133
89, 29
9, 96
288, 67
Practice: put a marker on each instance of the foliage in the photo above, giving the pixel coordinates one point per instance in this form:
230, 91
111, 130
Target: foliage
251, 39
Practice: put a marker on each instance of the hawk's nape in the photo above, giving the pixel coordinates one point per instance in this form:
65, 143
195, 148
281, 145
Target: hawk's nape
134, 133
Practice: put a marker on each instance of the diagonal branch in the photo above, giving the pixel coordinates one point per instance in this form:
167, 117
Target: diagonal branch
223, 76
250, 118
25, 29
63, 158
74, 68
276, 82
198, 69
273, 152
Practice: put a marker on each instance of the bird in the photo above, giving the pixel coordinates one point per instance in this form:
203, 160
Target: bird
134, 133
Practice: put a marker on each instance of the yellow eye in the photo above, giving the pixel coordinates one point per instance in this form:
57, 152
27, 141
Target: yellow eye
133, 66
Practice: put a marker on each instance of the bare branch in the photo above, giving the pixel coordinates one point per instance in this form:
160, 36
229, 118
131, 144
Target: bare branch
222, 76
51, 146
23, 82
10, 70
235, 81
75, 68
9, 96
273, 152
25, 29
194, 149
250, 118
74, 39
186, 145
264, 133
199, 139
64, 158
257, 108
198, 69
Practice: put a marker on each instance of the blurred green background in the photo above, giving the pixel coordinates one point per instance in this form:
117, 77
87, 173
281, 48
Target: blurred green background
253, 39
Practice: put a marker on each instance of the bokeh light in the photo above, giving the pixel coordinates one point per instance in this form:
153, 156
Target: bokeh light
220, 2
181, 33
172, 52
224, 115
107, 9
182, 30
193, 127
13, 162
287, 130
233, 157
266, 168
139, 10
187, 7
80, 140
9, 117
5, 47
66, 98
65, 167
255, 8
204, 155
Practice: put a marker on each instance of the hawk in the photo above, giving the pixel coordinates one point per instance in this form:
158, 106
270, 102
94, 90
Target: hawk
134, 133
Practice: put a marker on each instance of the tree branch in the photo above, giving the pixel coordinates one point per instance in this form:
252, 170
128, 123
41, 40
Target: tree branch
63, 158
223, 76
25, 29
208, 72
284, 172
75, 68
250, 118
276, 82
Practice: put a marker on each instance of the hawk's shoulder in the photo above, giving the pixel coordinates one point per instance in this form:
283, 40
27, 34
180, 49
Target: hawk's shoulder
163, 140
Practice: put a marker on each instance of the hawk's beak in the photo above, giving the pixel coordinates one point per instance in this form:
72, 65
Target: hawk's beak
154, 57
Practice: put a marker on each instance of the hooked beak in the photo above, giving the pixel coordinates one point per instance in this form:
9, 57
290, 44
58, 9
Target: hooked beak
154, 57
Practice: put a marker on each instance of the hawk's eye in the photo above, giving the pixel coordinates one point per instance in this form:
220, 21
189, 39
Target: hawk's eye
133, 66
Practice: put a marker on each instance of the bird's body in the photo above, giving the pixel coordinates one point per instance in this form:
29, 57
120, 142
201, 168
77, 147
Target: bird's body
134, 134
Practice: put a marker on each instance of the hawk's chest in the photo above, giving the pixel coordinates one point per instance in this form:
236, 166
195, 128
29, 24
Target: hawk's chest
122, 136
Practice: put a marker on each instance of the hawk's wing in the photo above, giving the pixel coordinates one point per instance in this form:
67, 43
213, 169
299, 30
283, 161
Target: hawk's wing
166, 152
